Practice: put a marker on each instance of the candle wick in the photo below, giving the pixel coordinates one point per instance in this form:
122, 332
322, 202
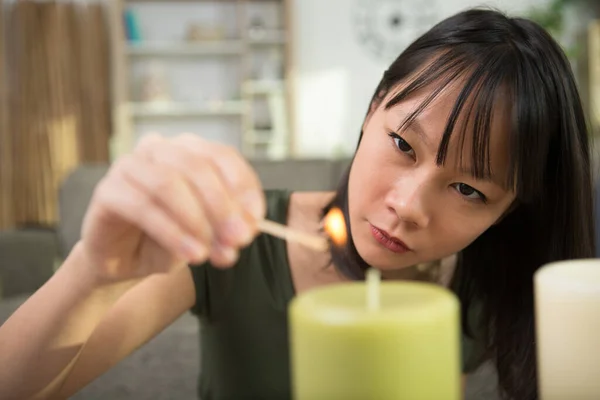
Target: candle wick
373, 281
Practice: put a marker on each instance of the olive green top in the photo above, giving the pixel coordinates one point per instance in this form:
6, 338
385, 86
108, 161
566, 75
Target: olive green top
243, 314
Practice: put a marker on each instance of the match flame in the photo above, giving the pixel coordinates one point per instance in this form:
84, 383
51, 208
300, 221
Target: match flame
335, 226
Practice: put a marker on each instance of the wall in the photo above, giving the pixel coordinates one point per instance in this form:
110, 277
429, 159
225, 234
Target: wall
336, 68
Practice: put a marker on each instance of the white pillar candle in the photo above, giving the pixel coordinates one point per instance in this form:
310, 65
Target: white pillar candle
567, 307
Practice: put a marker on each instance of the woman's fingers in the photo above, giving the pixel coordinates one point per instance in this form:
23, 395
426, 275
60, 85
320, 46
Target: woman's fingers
168, 189
222, 204
235, 171
195, 198
117, 195
183, 199
208, 188
223, 256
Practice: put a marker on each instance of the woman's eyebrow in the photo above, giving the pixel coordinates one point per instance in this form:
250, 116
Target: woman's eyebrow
415, 126
488, 177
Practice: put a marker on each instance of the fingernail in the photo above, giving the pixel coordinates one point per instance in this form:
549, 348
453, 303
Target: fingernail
193, 250
228, 253
237, 229
253, 203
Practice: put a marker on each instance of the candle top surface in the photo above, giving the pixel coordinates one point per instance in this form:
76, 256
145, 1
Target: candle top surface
581, 276
398, 301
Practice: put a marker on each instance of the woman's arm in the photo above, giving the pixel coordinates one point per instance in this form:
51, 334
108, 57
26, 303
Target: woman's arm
74, 328
169, 203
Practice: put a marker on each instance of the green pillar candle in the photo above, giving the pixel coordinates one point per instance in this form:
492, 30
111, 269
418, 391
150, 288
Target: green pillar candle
394, 340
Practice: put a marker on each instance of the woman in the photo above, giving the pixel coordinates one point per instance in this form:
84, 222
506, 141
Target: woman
474, 145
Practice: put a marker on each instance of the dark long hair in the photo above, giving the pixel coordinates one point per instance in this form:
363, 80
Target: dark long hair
510, 60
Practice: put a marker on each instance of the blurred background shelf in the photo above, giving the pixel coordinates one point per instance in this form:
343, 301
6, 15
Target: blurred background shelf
263, 87
175, 110
168, 49
261, 136
216, 68
195, 1
269, 38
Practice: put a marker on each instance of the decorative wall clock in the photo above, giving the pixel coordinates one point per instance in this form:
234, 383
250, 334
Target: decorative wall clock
384, 28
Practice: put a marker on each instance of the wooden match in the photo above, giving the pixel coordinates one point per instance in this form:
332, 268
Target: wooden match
312, 241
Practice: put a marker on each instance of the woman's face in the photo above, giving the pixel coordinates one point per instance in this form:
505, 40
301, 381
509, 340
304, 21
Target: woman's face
405, 209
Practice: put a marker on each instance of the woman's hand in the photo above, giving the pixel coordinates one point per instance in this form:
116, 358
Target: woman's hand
171, 202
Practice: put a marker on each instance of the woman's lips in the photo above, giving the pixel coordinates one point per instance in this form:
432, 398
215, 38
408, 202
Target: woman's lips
391, 243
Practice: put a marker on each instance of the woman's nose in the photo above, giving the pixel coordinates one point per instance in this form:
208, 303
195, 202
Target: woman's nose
408, 200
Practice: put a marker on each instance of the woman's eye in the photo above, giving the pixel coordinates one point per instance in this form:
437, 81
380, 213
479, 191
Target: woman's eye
469, 192
402, 144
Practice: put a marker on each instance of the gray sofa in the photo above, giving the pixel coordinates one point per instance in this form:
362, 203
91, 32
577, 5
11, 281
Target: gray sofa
27, 258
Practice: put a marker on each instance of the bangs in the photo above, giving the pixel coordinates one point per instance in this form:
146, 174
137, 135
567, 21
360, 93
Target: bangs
488, 80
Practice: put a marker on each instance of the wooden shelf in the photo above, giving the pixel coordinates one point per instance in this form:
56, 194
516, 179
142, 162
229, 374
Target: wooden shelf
182, 1
208, 48
229, 47
260, 136
262, 87
246, 49
270, 38
176, 110
196, 1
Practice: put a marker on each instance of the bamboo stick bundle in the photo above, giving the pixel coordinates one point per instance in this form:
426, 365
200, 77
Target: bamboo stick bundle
31, 116
38, 113
75, 27
47, 98
103, 99
59, 104
64, 112
86, 79
36, 155
20, 106
6, 204
16, 102
33, 159
13, 99
95, 83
